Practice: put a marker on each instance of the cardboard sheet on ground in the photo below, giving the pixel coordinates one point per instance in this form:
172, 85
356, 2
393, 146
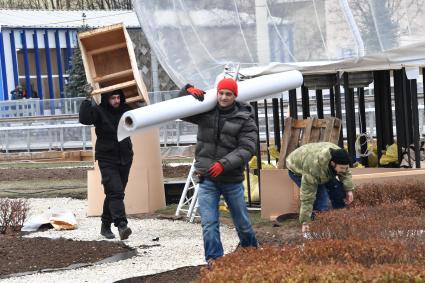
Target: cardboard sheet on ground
59, 218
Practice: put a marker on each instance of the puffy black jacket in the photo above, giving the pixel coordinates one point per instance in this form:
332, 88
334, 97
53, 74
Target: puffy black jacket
105, 119
232, 142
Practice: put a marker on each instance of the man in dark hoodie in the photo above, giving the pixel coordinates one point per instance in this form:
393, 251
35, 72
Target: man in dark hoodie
226, 141
114, 158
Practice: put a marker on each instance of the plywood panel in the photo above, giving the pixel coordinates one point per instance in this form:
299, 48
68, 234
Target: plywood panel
145, 189
111, 62
280, 195
102, 37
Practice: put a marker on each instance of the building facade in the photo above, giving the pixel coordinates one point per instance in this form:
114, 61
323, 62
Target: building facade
36, 48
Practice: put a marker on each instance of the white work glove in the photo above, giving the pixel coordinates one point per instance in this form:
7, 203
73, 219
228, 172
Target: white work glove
349, 197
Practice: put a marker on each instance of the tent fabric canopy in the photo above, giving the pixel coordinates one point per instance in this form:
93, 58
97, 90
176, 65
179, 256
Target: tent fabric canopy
194, 40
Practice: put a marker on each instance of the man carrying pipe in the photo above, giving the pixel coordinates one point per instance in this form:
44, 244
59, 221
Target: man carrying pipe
226, 141
321, 171
114, 157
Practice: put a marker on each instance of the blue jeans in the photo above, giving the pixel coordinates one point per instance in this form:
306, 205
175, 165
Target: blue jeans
209, 198
333, 190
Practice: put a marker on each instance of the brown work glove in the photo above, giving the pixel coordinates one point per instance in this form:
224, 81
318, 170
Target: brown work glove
88, 89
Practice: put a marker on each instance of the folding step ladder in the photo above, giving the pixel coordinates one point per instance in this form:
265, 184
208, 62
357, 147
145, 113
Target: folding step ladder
189, 202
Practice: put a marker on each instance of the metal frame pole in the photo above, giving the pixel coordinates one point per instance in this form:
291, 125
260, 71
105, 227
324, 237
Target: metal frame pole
399, 114
338, 110
415, 121
332, 101
350, 117
305, 102
276, 125
293, 108
267, 130
362, 124
319, 103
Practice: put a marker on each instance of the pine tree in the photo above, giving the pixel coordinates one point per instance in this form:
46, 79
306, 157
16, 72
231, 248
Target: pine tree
77, 76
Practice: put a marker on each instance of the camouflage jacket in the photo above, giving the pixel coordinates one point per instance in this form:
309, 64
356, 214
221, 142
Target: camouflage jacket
311, 162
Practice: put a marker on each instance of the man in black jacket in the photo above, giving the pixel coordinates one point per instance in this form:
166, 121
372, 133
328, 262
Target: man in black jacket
226, 141
114, 158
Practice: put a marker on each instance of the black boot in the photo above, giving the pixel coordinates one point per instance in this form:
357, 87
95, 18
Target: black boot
124, 231
105, 230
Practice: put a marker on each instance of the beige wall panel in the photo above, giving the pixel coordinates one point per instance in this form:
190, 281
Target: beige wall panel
145, 189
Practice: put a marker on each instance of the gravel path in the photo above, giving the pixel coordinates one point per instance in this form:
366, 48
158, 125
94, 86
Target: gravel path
179, 244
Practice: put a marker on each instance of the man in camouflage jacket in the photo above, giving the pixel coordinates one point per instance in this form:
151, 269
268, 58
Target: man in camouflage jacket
321, 171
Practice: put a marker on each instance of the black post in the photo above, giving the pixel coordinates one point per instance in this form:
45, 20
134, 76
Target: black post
408, 118
378, 93
255, 105
276, 125
305, 102
319, 103
248, 184
332, 101
282, 117
400, 116
338, 111
362, 125
415, 121
267, 130
293, 109
387, 122
423, 85
350, 117
383, 110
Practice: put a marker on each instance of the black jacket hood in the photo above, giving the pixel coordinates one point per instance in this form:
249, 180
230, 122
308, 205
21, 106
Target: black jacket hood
105, 99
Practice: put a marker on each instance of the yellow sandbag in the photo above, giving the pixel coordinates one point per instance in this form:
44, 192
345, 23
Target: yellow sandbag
372, 159
390, 156
253, 182
358, 165
253, 164
223, 207
274, 153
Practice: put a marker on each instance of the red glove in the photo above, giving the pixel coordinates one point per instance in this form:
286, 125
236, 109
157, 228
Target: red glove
196, 92
216, 169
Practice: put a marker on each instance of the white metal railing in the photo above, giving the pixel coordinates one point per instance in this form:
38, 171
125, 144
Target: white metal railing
36, 107
62, 132
63, 106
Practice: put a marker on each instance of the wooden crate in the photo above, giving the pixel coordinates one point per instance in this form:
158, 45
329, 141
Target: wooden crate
110, 64
300, 132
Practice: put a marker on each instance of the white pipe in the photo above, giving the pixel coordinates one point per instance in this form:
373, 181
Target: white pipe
156, 114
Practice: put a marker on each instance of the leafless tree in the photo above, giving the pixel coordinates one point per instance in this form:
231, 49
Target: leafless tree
66, 4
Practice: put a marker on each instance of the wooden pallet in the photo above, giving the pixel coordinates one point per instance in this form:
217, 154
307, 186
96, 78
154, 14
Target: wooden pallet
110, 64
300, 132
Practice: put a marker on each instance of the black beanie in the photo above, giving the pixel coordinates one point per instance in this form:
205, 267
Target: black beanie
340, 156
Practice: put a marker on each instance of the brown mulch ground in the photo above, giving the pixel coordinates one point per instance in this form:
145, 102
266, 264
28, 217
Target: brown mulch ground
277, 234
34, 254
22, 254
25, 174
176, 171
74, 173
179, 275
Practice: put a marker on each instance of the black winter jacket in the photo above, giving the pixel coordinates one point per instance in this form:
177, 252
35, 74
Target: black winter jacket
233, 145
105, 119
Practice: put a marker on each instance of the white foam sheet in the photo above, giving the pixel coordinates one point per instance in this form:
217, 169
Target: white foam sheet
181, 107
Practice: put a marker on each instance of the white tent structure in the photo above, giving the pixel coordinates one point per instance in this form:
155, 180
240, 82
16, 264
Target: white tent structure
195, 39
335, 44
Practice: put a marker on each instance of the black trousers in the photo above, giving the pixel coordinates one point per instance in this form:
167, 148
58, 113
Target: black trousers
114, 180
